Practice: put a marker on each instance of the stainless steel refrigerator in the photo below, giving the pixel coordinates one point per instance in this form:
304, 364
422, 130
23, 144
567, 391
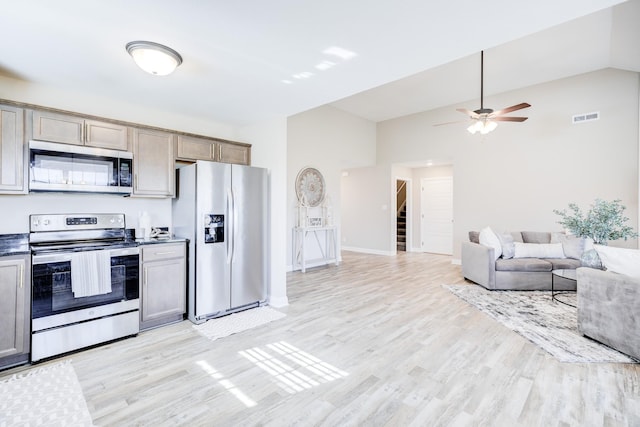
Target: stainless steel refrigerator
223, 209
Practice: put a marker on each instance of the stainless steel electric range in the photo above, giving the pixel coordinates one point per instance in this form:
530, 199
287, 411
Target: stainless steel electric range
85, 287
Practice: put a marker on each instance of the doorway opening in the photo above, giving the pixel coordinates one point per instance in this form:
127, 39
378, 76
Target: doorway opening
402, 202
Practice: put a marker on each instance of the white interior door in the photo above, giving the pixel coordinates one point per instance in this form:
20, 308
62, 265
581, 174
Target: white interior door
437, 215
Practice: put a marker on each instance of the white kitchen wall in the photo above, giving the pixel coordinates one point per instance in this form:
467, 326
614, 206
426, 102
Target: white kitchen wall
15, 210
270, 151
513, 178
331, 141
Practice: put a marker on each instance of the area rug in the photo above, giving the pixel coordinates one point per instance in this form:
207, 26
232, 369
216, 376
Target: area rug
550, 325
46, 396
237, 322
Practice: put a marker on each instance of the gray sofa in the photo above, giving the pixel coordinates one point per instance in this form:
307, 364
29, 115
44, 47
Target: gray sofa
480, 266
608, 309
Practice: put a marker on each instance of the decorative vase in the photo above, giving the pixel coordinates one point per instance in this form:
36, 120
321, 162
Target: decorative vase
591, 259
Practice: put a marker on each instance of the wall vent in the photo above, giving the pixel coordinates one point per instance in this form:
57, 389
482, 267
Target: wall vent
586, 117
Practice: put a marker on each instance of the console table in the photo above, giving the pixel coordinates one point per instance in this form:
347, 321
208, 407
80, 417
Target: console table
328, 251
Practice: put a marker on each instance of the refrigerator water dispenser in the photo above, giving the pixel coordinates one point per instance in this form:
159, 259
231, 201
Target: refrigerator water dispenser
213, 228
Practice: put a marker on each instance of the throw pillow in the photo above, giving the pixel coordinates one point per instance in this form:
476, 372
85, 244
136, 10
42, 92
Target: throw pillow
620, 260
572, 246
506, 241
490, 239
538, 250
474, 237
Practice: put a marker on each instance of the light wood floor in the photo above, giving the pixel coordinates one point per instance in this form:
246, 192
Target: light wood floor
384, 345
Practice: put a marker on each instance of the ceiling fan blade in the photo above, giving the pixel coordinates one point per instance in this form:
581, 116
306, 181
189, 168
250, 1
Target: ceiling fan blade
510, 109
509, 119
450, 123
469, 113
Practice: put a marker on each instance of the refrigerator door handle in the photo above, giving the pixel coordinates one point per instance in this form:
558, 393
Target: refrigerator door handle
230, 225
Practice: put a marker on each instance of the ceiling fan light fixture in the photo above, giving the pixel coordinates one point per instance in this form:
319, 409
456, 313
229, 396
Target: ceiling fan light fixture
154, 58
482, 126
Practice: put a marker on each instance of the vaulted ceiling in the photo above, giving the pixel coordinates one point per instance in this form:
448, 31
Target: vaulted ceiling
249, 60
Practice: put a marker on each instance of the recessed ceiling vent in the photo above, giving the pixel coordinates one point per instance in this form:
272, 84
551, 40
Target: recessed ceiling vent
587, 117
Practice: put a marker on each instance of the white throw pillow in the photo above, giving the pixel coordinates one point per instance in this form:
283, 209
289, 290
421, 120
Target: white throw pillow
538, 250
490, 239
620, 260
506, 242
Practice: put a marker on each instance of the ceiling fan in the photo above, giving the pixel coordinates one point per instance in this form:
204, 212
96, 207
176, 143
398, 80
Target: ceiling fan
484, 120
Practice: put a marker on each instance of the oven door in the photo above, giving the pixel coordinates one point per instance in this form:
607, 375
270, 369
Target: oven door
52, 284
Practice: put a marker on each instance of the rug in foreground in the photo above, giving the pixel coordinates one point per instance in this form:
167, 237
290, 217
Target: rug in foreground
45, 396
237, 322
550, 325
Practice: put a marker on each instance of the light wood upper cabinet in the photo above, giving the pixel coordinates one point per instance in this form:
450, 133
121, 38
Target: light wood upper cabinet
12, 150
54, 127
232, 153
15, 317
190, 148
106, 135
153, 163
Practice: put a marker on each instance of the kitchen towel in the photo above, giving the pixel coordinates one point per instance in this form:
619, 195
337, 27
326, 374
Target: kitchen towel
90, 273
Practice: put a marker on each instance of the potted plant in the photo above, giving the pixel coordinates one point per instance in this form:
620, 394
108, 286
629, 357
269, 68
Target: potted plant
603, 222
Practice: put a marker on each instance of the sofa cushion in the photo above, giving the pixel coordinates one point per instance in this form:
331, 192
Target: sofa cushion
474, 237
620, 260
573, 246
564, 263
517, 236
538, 250
536, 237
523, 264
490, 239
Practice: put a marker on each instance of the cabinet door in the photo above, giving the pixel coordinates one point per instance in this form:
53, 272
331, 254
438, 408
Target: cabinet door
11, 150
190, 148
230, 153
163, 290
14, 306
106, 135
153, 163
58, 128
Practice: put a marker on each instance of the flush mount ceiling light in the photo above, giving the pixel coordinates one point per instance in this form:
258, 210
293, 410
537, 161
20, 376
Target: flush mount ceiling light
154, 58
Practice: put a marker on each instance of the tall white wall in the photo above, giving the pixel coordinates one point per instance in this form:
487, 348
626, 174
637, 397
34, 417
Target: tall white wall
368, 195
514, 177
329, 140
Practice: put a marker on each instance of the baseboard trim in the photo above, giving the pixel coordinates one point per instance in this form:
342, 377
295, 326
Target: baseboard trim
278, 302
368, 251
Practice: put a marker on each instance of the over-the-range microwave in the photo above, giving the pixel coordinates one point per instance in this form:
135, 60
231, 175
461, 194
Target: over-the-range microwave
64, 167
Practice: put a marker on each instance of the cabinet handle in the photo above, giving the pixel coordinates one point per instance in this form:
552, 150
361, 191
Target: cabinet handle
165, 253
219, 152
21, 276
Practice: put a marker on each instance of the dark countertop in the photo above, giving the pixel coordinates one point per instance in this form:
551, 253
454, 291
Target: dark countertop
153, 241
14, 244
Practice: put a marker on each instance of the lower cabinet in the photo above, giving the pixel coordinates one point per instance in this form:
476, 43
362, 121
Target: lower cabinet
163, 284
15, 310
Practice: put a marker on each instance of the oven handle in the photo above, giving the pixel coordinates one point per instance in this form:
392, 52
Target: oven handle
66, 256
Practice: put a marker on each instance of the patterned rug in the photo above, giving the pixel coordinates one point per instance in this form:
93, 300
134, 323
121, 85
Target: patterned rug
237, 322
46, 396
550, 325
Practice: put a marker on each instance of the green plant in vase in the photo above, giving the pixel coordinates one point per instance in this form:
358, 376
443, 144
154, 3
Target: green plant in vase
604, 221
